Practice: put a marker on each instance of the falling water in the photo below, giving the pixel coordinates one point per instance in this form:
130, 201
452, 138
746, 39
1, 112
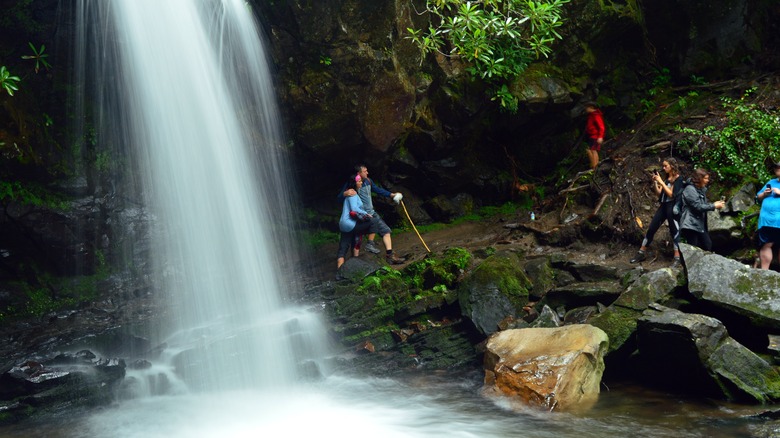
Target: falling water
183, 88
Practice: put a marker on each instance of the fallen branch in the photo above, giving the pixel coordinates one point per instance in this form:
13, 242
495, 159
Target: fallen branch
599, 204
660, 145
574, 189
560, 216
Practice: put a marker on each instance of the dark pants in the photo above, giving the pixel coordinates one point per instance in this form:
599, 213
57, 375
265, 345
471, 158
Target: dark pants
348, 239
695, 238
664, 213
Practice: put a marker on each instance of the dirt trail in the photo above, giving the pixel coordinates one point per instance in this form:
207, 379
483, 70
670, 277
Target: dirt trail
505, 233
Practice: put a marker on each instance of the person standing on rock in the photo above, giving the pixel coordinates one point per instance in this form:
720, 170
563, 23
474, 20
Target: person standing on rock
594, 129
693, 221
667, 191
769, 218
364, 193
353, 223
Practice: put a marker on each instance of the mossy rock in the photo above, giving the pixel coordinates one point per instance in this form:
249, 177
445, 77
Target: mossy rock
619, 324
497, 288
542, 276
386, 297
619, 320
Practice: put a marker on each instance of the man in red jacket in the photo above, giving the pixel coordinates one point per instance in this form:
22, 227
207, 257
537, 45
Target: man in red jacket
594, 128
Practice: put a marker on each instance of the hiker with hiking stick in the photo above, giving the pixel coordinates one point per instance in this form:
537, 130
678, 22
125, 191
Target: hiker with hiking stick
384, 231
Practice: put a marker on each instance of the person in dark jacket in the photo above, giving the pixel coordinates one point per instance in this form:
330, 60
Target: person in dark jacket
667, 190
693, 221
594, 129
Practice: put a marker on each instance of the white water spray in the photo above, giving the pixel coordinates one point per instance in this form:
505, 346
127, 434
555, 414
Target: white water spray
184, 88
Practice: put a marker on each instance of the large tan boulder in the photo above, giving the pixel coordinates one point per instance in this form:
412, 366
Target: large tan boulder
552, 368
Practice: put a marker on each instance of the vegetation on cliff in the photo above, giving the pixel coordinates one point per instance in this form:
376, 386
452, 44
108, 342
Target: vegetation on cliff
496, 39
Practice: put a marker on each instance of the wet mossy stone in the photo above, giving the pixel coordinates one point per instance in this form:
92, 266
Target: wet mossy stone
619, 320
734, 287
495, 289
695, 352
542, 276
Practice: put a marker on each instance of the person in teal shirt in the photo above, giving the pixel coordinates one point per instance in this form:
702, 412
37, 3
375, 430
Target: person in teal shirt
769, 217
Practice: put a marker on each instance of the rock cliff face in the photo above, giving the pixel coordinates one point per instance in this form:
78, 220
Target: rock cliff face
354, 88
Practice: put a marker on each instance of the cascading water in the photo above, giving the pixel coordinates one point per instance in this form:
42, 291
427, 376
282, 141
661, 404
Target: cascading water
184, 88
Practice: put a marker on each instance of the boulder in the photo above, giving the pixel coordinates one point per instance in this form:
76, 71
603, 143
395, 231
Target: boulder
547, 318
774, 347
583, 294
541, 274
551, 368
695, 353
742, 201
495, 289
588, 272
442, 208
620, 318
355, 268
725, 230
58, 384
579, 315
733, 286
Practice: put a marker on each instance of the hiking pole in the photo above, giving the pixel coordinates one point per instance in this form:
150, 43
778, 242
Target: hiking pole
415, 228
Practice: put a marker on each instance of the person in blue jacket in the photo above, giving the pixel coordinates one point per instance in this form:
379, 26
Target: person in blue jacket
354, 221
364, 193
769, 217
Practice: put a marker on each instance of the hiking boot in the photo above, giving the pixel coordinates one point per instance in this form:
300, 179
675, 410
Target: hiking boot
640, 256
677, 263
393, 260
371, 247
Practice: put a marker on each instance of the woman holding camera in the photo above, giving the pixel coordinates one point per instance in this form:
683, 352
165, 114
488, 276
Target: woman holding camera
667, 190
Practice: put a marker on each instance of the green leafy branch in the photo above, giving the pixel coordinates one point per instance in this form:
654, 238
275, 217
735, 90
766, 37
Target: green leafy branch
39, 56
30, 194
8, 82
740, 148
496, 39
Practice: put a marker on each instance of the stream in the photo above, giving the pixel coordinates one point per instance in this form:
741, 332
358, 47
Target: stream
421, 405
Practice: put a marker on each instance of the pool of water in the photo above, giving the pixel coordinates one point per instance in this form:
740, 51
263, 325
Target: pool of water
422, 405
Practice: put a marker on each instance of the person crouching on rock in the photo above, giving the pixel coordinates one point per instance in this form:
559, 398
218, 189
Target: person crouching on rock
693, 221
667, 191
769, 218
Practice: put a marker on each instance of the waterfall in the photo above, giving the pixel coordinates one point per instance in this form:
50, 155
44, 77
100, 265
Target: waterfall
182, 89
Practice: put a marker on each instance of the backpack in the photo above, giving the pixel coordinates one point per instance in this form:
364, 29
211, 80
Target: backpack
678, 200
